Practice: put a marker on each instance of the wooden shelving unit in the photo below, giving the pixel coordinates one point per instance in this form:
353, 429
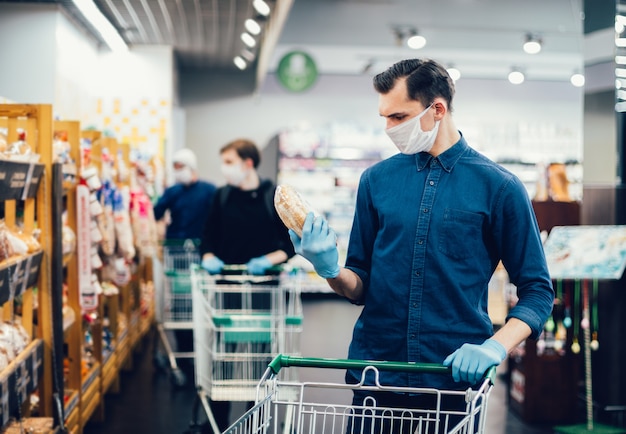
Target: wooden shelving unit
36, 195
25, 193
72, 332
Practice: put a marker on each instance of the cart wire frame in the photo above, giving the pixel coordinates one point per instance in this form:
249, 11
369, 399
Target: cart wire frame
241, 322
276, 411
173, 303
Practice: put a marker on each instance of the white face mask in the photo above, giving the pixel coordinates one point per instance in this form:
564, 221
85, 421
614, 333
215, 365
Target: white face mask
235, 174
183, 176
409, 137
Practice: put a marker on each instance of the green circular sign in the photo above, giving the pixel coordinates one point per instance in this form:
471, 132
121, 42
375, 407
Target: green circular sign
297, 71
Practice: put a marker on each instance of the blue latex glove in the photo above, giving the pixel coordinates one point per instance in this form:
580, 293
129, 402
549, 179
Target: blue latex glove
257, 266
318, 245
470, 362
213, 264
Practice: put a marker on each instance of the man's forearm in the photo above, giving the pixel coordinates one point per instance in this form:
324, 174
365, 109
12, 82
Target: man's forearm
512, 333
347, 284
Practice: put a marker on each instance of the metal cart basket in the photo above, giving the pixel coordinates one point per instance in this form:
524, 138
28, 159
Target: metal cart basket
174, 304
241, 322
286, 406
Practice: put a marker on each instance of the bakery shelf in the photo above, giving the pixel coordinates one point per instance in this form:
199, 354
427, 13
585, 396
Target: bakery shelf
122, 348
90, 398
109, 370
69, 318
71, 410
20, 378
22, 273
91, 381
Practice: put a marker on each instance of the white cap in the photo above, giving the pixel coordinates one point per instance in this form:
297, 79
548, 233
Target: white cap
186, 157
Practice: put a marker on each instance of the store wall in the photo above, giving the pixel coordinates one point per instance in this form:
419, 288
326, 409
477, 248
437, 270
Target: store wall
482, 109
28, 52
135, 97
52, 60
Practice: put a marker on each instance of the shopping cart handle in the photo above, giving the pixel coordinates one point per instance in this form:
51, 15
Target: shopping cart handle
241, 268
284, 361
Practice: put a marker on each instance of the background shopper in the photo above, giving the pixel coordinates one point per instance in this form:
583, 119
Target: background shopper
243, 228
188, 202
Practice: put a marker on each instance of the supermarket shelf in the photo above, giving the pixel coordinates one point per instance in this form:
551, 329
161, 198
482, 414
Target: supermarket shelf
90, 399
72, 411
17, 276
20, 378
109, 370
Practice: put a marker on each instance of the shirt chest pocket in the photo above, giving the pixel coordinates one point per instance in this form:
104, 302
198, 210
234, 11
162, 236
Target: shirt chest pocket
461, 233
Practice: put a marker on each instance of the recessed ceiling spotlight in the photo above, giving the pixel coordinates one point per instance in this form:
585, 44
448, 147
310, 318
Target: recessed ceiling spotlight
261, 7
248, 40
247, 54
252, 26
454, 73
240, 63
577, 79
532, 44
415, 41
516, 77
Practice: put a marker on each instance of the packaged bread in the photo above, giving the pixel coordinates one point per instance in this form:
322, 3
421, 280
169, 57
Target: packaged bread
291, 207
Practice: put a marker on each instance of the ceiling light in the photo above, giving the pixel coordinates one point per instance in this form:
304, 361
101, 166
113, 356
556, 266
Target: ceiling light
252, 26
261, 7
620, 22
454, 73
577, 79
248, 40
415, 41
109, 33
248, 55
240, 63
516, 77
532, 45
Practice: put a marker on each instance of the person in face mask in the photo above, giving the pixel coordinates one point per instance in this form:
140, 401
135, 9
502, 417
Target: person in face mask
431, 224
187, 201
185, 206
243, 228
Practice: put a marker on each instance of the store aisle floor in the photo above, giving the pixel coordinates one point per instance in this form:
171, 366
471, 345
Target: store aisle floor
147, 402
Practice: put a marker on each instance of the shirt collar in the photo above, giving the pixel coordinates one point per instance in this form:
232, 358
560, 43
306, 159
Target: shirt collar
447, 159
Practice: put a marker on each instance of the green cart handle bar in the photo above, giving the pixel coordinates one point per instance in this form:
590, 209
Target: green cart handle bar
239, 267
284, 361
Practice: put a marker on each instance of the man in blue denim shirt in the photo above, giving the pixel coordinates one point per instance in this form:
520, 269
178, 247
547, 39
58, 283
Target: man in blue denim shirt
431, 225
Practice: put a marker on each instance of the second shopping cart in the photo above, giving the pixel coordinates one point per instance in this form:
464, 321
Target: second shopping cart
174, 307
241, 322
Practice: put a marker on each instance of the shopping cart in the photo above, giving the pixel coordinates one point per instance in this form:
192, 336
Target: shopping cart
174, 305
241, 322
286, 406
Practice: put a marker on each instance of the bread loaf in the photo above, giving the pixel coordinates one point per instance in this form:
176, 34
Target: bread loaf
291, 207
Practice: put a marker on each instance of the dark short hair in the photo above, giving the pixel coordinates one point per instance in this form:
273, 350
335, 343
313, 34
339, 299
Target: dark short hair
425, 80
245, 149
